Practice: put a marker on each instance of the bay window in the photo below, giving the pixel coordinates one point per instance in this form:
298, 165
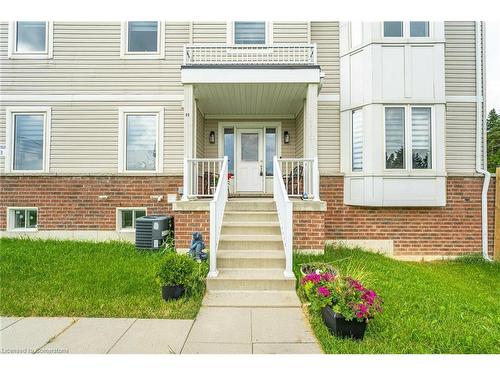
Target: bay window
421, 137
395, 138
357, 140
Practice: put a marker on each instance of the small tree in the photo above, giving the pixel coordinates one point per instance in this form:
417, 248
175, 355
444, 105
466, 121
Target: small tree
493, 140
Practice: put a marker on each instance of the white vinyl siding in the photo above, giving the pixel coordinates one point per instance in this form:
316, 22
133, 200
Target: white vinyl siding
209, 32
328, 138
87, 61
326, 37
357, 140
290, 32
461, 138
299, 130
421, 137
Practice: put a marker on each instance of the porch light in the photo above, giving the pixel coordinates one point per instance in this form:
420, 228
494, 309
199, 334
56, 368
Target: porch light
286, 137
211, 137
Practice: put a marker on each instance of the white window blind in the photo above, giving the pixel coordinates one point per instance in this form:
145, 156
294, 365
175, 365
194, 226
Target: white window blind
421, 137
357, 140
141, 142
394, 138
28, 142
249, 32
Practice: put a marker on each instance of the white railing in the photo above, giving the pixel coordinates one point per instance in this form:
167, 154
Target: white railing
217, 207
300, 177
250, 54
201, 177
285, 215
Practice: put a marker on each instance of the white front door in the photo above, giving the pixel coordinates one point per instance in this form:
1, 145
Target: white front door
249, 160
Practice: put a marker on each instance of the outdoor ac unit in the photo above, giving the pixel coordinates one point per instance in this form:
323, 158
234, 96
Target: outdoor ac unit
151, 231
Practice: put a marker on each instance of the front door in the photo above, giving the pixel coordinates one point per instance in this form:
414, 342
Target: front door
249, 160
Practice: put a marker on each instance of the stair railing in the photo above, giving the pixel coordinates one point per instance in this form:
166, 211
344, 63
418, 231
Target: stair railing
217, 207
285, 215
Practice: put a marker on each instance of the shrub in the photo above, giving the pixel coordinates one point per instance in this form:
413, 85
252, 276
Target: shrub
177, 269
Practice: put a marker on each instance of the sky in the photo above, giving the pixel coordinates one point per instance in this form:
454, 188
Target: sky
493, 65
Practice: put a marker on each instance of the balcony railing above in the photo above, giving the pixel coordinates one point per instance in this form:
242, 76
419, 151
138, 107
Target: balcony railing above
250, 54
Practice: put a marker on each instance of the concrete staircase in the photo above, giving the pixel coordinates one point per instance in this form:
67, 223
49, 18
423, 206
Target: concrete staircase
251, 259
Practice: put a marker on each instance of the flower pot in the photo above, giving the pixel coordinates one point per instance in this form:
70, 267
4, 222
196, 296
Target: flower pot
341, 327
172, 292
308, 268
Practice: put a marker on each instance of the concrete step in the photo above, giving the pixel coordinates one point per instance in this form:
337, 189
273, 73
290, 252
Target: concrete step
251, 298
250, 216
251, 259
250, 279
250, 242
251, 205
251, 228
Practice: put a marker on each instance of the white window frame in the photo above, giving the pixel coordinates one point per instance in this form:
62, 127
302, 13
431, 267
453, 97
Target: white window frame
408, 154
11, 219
10, 112
231, 31
406, 32
122, 134
159, 54
48, 53
119, 210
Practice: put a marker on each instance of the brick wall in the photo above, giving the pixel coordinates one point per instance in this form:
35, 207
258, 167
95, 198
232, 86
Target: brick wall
187, 222
308, 230
451, 230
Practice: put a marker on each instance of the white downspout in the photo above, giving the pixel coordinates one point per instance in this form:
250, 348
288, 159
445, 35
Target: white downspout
480, 135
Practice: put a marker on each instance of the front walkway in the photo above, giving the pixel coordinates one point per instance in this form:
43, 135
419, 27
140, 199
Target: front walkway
215, 330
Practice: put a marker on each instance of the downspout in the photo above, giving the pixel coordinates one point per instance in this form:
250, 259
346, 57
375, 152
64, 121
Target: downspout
481, 134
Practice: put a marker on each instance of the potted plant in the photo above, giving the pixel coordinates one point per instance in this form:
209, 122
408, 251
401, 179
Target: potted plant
345, 304
174, 274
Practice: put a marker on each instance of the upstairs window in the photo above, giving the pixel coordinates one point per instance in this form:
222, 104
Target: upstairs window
357, 141
142, 40
30, 39
419, 29
395, 138
393, 29
249, 33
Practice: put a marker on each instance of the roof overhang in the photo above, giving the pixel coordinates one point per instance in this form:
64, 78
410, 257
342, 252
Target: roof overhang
250, 74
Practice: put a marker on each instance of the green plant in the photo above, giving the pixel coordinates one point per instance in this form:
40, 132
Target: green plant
177, 269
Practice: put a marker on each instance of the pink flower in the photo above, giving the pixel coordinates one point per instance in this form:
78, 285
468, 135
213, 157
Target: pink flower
313, 277
323, 291
327, 276
359, 315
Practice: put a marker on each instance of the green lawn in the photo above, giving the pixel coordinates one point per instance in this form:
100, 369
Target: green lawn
435, 307
69, 278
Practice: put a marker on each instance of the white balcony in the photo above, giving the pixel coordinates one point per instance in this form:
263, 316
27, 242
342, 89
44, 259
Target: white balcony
299, 54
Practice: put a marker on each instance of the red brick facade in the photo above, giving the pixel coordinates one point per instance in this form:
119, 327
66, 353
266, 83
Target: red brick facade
451, 230
72, 203
309, 230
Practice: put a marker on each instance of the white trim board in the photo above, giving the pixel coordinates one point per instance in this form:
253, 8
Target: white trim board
91, 97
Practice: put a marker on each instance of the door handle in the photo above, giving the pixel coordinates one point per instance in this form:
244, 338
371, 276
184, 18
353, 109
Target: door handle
261, 173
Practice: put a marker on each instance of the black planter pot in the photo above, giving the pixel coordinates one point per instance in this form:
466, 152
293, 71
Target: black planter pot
172, 292
342, 328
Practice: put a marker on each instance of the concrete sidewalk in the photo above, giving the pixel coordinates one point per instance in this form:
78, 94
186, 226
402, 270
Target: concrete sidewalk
216, 330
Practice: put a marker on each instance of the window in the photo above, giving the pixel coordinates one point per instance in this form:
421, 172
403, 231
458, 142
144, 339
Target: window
30, 40
357, 140
143, 40
270, 149
249, 147
27, 139
125, 217
249, 33
421, 137
141, 135
419, 29
394, 138
229, 148
22, 218
393, 29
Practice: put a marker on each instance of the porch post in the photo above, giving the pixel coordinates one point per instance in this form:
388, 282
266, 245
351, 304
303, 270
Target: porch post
188, 136
311, 132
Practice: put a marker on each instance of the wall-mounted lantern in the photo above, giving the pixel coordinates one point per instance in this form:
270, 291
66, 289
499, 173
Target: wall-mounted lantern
211, 137
286, 137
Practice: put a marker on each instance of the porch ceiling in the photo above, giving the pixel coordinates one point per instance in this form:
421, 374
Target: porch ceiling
250, 99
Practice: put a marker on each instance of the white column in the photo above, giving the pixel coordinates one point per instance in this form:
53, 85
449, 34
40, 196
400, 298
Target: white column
188, 135
311, 133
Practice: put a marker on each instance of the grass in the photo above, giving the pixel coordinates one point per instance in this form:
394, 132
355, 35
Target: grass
69, 278
434, 307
